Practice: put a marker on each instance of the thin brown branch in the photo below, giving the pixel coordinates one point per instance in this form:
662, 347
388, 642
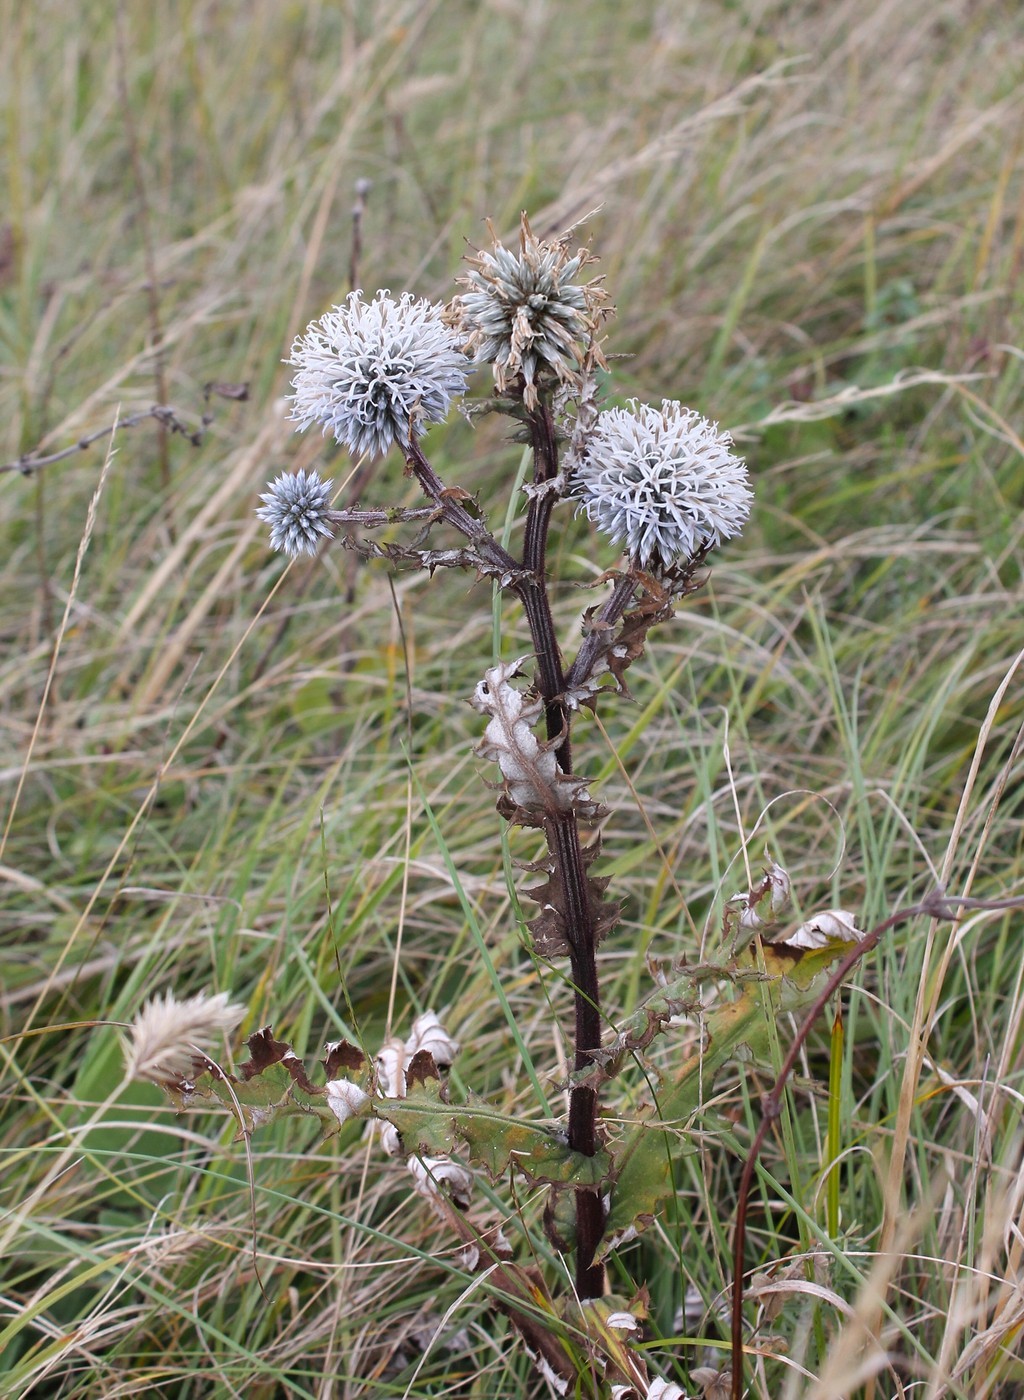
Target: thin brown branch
156, 332
164, 414
451, 510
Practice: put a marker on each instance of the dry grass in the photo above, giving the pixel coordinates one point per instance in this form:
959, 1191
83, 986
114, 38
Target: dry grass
812, 222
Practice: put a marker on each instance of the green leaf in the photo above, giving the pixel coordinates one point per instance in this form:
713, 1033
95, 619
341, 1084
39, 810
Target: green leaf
272, 1082
495, 1141
273, 1094
788, 980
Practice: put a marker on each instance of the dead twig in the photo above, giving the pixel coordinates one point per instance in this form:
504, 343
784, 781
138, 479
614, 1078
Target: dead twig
30, 462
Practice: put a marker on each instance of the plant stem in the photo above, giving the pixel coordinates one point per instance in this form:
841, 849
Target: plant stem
538, 608
529, 582
602, 635
455, 514
564, 842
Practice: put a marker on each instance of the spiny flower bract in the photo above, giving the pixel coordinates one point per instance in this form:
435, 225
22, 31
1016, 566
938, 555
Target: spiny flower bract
369, 370
662, 482
527, 313
298, 509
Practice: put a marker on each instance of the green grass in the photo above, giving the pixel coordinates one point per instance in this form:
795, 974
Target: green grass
811, 220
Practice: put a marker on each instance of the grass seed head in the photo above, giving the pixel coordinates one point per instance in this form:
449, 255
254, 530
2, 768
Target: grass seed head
170, 1037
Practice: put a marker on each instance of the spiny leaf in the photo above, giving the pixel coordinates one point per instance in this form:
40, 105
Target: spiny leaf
550, 927
534, 783
343, 1055
271, 1083
265, 1052
612, 1326
272, 1093
492, 1139
642, 1169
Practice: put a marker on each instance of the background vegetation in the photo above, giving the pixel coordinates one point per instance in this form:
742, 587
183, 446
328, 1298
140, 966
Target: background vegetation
811, 218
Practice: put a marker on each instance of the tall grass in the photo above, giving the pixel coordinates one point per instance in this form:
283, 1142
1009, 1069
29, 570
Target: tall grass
812, 218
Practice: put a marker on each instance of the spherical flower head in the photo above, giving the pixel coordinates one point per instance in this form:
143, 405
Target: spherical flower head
298, 510
369, 372
527, 314
662, 482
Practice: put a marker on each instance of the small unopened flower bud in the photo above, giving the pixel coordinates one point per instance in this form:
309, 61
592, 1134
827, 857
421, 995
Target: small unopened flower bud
297, 507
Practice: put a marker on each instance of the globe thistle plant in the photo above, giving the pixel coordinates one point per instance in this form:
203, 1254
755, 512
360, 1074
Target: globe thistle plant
372, 372
662, 482
527, 314
297, 507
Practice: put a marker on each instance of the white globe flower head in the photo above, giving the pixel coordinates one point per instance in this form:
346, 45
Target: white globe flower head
368, 371
297, 507
662, 482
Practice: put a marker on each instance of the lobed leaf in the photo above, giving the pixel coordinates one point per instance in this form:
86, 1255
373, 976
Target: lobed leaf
493, 1140
779, 979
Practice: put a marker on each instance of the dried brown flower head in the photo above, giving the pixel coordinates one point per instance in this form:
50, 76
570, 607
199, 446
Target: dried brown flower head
527, 314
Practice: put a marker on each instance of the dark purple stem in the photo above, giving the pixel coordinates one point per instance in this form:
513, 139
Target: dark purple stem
564, 839
602, 635
529, 582
451, 510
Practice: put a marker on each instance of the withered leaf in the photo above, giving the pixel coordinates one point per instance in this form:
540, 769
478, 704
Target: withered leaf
550, 929
421, 1068
265, 1051
342, 1055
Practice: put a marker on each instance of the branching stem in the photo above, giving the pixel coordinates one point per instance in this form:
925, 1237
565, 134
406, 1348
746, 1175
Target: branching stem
602, 633
528, 580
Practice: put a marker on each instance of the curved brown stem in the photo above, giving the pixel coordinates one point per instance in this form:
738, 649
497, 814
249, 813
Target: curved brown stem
451, 510
936, 905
